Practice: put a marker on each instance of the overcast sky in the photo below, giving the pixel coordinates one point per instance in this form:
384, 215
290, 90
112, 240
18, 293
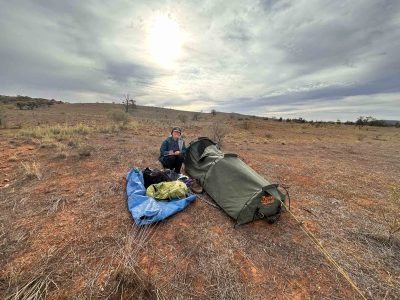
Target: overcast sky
320, 60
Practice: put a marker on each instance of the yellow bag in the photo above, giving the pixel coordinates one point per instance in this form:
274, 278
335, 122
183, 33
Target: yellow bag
167, 190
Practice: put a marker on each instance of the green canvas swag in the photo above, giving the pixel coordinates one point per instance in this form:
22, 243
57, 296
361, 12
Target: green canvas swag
231, 183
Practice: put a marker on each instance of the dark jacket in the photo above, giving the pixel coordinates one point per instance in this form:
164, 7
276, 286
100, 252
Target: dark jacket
167, 145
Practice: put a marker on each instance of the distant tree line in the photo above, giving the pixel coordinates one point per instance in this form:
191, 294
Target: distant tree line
370, 121
25, 102
361, 121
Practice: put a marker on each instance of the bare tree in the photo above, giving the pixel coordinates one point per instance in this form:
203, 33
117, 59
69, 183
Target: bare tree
128, 102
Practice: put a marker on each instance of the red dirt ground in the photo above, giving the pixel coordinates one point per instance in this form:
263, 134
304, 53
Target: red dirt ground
71, 228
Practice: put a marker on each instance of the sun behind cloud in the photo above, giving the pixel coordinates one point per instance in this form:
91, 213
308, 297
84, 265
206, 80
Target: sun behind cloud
165, 40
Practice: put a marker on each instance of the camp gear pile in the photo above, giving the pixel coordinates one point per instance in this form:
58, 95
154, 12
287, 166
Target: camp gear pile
145, 209
232, 184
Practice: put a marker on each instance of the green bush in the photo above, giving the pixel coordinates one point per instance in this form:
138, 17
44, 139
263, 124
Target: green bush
118, 116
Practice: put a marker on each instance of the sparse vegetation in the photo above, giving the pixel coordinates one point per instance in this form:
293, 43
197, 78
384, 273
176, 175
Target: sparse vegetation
182, 118
196, 116
119, 117
61, 155
130, 279
268, 135
84, 150
65, 132
13, 158
31, 170
245, 124
121, 121
48, 143
34, 288
394, 219
217, 132
56, 203
3, 122
55, 131
3, 117
360, 137
69, 235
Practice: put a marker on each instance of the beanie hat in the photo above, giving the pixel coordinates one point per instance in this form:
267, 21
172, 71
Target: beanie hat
178, 129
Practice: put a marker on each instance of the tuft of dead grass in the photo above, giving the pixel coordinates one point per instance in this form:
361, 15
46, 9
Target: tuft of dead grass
56, 203
31, 170
129, 280
13, 158
35, 288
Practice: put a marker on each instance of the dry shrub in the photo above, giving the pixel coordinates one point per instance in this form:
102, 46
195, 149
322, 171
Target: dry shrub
119, 117
31, 170
246, 125
84, 150
217, 132
121, 121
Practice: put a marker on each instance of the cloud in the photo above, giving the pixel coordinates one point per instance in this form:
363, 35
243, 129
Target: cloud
320, 59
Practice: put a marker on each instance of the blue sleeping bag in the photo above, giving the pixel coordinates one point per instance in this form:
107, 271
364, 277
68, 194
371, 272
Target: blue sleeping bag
147, 210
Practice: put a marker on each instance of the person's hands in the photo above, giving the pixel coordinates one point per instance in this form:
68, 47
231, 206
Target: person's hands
170, 152
177, 152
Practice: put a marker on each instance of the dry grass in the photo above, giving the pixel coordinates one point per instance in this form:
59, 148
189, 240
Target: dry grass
35, 288
56, 203
394, 219
31, 170
119, 117
126, 277
55, 131
13, 158
245, 124
64, 131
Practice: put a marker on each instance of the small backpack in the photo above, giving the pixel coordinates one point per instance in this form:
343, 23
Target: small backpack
154, 176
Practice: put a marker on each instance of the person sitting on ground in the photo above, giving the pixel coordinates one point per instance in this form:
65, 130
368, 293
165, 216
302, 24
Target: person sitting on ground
173, 151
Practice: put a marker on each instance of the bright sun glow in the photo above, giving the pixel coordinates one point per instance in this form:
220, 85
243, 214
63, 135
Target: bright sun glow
165, 40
